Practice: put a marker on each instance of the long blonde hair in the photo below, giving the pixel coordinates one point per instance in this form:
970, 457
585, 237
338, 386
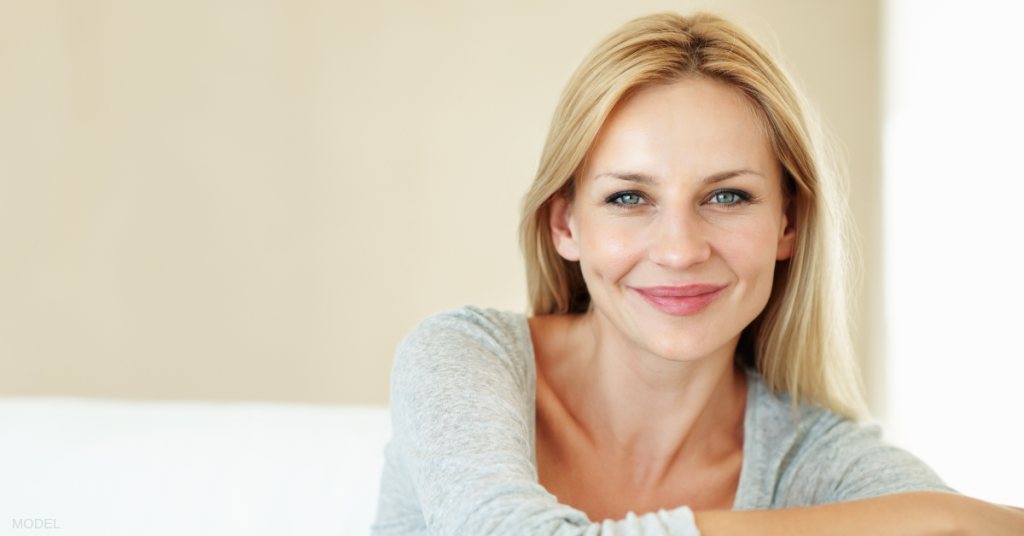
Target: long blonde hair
801, 342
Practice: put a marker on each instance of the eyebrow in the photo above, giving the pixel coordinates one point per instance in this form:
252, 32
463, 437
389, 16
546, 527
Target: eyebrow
650, 180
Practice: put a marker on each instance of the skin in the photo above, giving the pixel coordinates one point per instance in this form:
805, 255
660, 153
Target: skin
640, 408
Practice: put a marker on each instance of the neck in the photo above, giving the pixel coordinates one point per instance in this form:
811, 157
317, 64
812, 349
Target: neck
642, 407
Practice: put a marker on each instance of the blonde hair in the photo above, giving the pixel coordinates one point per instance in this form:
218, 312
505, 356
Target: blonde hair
801, 342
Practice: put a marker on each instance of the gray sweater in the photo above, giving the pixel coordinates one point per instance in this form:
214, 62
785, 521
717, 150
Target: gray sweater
461, 460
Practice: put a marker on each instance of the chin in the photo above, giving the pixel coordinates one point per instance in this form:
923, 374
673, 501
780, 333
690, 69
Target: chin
680, 338
680, 347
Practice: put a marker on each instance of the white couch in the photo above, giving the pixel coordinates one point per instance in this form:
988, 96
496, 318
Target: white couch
148, 468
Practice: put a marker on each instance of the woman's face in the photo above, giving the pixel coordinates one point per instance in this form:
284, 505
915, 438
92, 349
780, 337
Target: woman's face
678, 219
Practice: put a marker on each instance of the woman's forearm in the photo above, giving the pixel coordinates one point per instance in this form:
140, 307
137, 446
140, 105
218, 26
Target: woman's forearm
904, 514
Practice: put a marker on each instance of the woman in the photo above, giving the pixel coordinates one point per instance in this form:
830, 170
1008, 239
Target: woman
688, 358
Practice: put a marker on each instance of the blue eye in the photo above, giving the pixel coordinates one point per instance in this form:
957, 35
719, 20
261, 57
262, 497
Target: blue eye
626, 198
728, 197
725, 197
629, 199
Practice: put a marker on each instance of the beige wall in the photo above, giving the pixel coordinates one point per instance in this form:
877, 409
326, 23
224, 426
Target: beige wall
256, 200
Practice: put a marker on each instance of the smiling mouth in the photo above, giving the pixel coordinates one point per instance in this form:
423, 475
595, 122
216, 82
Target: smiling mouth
681, 301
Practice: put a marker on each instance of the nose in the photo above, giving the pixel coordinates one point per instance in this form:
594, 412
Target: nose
678, 240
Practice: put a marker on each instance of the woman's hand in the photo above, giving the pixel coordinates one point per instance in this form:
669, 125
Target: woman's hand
903, 514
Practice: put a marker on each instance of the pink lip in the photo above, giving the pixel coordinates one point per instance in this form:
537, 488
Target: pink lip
681, 301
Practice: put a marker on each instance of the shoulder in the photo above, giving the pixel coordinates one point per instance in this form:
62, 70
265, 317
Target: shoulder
487, 326
500, 333
470, 342
821, 457
791, 430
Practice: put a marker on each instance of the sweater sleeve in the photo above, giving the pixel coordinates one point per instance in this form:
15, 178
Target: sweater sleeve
461, 453
840, 460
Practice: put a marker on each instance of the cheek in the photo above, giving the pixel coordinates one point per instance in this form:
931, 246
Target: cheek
750, 250
609, 247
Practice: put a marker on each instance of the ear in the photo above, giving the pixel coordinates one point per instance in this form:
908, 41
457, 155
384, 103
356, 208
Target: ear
787, 233
562, 219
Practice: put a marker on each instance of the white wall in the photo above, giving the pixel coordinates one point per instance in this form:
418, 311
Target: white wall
954, 249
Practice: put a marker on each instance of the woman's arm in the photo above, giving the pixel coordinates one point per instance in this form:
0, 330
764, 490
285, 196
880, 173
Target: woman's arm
904, 514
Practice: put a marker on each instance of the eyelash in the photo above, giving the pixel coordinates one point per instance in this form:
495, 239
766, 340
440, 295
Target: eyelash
615, 198
744, 197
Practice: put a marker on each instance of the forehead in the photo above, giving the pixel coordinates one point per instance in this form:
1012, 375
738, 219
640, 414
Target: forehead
691, 128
